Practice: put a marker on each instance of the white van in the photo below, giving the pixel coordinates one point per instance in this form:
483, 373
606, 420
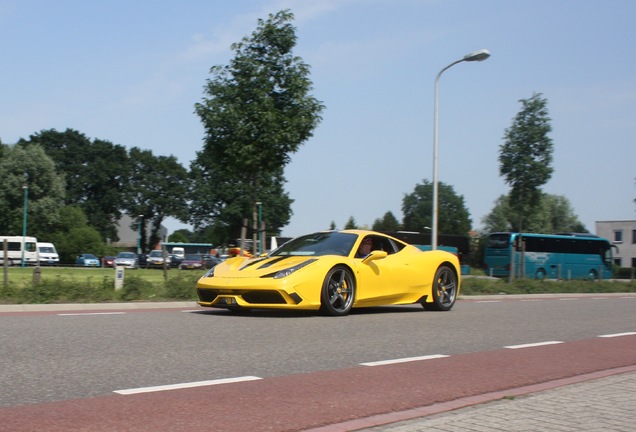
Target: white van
178, 251
48, 254
15, 252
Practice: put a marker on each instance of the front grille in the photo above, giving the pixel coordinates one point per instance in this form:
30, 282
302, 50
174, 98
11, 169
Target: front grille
263, 297
208, 295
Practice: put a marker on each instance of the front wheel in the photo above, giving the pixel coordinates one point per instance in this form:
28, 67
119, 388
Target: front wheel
338, 292
444, 290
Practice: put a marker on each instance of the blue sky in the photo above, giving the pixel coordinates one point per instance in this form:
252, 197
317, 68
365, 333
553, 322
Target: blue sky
130, 72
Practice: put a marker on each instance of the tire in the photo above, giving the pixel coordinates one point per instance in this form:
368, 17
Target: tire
444, 289
338, 292
540, 275
592, 275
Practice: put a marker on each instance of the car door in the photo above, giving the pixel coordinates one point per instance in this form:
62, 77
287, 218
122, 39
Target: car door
391, 279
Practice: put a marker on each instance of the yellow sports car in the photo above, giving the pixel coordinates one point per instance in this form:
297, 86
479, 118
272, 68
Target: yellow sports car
334, 271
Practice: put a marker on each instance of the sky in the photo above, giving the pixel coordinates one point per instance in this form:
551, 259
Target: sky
130, 72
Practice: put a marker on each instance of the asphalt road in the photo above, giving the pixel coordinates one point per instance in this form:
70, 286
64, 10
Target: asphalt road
49, 357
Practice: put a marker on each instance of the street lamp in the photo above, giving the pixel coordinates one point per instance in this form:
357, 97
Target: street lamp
476, 56
139, 234
261, 247
24, 220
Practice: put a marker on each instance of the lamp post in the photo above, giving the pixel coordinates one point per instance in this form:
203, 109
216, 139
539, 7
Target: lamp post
24, 220
139, 234
261, 248
476, 56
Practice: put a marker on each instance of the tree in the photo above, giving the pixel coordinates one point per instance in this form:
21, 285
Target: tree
553, 214
526, 155
29, 167
181, 236
351, 224
388, 223
453, 216
256, 112
95, 174
73, 236
157, 188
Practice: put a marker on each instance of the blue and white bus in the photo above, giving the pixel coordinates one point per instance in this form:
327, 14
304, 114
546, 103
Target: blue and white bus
553, 256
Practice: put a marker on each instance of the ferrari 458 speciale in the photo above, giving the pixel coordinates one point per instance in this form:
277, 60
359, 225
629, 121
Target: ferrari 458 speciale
335, 271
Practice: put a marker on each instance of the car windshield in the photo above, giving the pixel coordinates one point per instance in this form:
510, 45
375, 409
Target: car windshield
89, 256
156, 253
317, 244
193, 257
126, 255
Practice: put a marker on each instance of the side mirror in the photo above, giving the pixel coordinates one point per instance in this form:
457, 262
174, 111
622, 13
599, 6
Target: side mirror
375, 255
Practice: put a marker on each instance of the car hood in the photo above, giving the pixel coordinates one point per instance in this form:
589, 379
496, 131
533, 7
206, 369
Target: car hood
241, 267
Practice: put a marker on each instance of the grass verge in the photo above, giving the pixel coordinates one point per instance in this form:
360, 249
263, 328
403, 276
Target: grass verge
97, 285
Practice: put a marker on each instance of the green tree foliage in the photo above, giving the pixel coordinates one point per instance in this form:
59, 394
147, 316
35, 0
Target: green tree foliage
525, 157
351, 224
181, 236
73, 236
30, 167
388, 223
553, 214
157, 188
256, 112
95, 174
417, 207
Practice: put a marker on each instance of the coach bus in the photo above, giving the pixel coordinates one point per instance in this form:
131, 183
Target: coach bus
553, 256
19, 248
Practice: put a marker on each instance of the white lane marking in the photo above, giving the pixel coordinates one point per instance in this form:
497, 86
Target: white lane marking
530, 345
488, 301
568, 299
91, 313
403, 360
185, 385
618, 334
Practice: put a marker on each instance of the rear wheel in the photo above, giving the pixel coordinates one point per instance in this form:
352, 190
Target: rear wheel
444, 290
338, 292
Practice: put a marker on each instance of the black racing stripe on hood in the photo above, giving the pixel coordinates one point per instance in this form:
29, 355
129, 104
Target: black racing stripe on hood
273, 261
251, 263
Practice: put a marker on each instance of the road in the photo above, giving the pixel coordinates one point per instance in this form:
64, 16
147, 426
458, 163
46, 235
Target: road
66, 361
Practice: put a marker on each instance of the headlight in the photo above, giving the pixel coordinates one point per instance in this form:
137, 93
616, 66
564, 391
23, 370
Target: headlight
284, 273
209, 273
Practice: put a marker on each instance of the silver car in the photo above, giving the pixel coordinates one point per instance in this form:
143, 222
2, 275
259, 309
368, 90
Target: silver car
126, 259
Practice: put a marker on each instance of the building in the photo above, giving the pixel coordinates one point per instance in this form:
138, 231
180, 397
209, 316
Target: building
621, 234
129, 237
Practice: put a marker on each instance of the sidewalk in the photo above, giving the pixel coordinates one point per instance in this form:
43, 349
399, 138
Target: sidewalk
602, 404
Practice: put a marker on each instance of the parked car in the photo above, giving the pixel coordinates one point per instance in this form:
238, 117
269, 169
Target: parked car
155, 259
48, 254
175, 260
126, 259
143, 260
198, 261
108, 261
87, 260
